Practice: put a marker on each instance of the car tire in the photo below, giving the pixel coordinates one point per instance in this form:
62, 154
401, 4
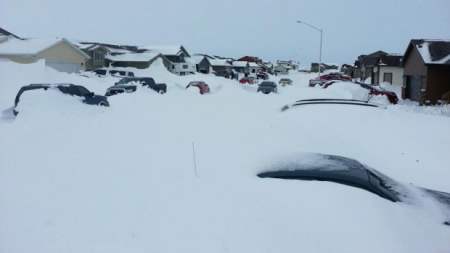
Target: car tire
102, 103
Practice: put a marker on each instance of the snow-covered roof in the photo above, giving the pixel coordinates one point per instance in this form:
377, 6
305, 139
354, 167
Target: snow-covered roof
434, 51
26, 47
134, 57
244, 64
196, 59
219, 62
31, 46
165, 50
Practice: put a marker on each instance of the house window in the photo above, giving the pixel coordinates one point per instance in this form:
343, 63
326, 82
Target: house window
173, 66
387, 78
185, 66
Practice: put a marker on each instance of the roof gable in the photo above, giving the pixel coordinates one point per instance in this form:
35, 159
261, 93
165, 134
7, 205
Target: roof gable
431, 51
6, 33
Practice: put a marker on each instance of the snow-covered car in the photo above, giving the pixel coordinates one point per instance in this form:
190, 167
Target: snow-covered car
248, 80
285, 81
378, 91
350, 172
120, 88
202, 86
114, 72
86, 96
328, 77
262, 75
128, 85
328, 101
267, 87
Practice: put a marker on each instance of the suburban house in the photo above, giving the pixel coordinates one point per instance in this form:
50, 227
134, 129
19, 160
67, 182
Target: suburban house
290, 65
388, 69
348, 70
245, 67
133, 60
97, 54
324, 66
367, 63
201, 62
426, 71
221, 67
175, 59
59, 54
253, 59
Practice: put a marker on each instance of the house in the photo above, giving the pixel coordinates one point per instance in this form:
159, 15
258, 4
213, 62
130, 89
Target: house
367, 63
253, 59
388, 69
246, 68
175, 59
290, 65
426, 70
59, 54
133, 60
315, 67
221, 67
97, 54
348, 69
201, 62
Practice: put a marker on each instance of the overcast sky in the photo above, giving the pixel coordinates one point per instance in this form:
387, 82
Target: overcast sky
265, 28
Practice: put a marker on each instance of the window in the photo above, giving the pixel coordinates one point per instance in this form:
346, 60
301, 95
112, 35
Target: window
387, 78
185, 66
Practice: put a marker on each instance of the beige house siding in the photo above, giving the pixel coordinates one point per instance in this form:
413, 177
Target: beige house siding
64, 53
397, 74
61, 56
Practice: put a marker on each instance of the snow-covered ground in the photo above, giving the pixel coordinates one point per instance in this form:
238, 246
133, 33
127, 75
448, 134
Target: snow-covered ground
79, 178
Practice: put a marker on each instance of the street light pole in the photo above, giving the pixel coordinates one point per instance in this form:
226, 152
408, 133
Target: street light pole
321, 41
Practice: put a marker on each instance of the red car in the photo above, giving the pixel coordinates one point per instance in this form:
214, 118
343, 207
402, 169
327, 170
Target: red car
373, 90
202, 86
377, 91
328, 77
248, 80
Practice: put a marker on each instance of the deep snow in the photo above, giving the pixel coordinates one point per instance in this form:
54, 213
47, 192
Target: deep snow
79, 178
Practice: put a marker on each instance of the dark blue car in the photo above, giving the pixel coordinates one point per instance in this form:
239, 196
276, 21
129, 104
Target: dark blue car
87, 96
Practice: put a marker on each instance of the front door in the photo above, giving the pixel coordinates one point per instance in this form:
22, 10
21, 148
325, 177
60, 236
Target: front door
413, 87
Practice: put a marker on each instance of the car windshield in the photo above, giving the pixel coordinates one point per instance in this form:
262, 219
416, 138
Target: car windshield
336, 169
267, 84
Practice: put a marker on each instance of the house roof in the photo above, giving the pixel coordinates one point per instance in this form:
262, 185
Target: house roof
390, 60
244, 64
167, 49
133, 57
112, 47
432, 51
219, 62
6, 33
33, 46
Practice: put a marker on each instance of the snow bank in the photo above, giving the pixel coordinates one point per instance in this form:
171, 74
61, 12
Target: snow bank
78, 178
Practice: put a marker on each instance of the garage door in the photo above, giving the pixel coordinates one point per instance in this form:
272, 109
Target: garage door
414, 85
64, 66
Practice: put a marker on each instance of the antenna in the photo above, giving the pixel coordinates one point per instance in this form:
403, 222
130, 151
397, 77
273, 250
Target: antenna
194, 159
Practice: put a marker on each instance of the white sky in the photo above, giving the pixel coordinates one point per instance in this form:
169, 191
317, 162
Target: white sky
265, 28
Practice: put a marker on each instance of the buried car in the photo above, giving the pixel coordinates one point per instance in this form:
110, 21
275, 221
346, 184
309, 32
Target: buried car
202, 86
87, 96
328, 101
350, 172
125, 85
328, 77
248, 80
285, 81
267, 87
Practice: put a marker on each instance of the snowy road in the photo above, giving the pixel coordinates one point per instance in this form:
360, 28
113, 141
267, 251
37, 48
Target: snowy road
76, 178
